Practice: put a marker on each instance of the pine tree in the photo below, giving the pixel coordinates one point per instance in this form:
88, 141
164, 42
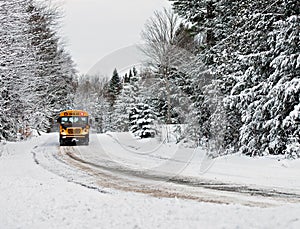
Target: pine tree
122, 107
127, 99
261, 91
213, 22
114, 87
142, 121
130, 75
134, 71
245, 64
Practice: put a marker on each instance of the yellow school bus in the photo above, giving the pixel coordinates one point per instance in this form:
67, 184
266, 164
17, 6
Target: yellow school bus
73, 127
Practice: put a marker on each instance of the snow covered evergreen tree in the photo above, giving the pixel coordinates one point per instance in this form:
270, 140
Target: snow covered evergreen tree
114, 87
267, 91
252, 42
269, 86
126, 100
212, 24
142, 121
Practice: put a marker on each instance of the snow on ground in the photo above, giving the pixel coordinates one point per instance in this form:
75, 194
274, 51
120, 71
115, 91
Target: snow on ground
269, 172
32, 197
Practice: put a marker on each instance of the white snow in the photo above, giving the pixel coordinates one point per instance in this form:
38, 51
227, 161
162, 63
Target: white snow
33, 197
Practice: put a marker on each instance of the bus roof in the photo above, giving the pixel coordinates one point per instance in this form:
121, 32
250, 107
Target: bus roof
73, 113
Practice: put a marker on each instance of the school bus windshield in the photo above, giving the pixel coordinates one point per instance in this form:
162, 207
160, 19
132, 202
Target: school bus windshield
74, 120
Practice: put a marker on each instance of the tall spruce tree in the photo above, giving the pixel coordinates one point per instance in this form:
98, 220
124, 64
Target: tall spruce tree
114, 87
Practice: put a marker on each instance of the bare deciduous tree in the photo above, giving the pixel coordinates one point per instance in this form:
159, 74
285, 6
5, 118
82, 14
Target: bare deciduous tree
163, 37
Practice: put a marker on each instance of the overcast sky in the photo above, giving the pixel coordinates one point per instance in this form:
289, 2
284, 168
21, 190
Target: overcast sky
95, 28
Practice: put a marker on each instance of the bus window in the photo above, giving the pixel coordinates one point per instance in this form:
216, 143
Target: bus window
64, 120
74, 120
82, 120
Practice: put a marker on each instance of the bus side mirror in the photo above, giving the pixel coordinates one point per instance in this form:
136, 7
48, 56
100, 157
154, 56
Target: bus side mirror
58, 120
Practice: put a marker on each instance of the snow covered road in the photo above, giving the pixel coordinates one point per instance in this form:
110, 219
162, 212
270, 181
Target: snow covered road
97, 187
121, 162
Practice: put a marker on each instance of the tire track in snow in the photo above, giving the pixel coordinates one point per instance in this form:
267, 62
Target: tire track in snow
163, 186
48, 158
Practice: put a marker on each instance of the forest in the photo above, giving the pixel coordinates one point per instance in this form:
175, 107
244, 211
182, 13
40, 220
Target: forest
224, 74
37, 75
